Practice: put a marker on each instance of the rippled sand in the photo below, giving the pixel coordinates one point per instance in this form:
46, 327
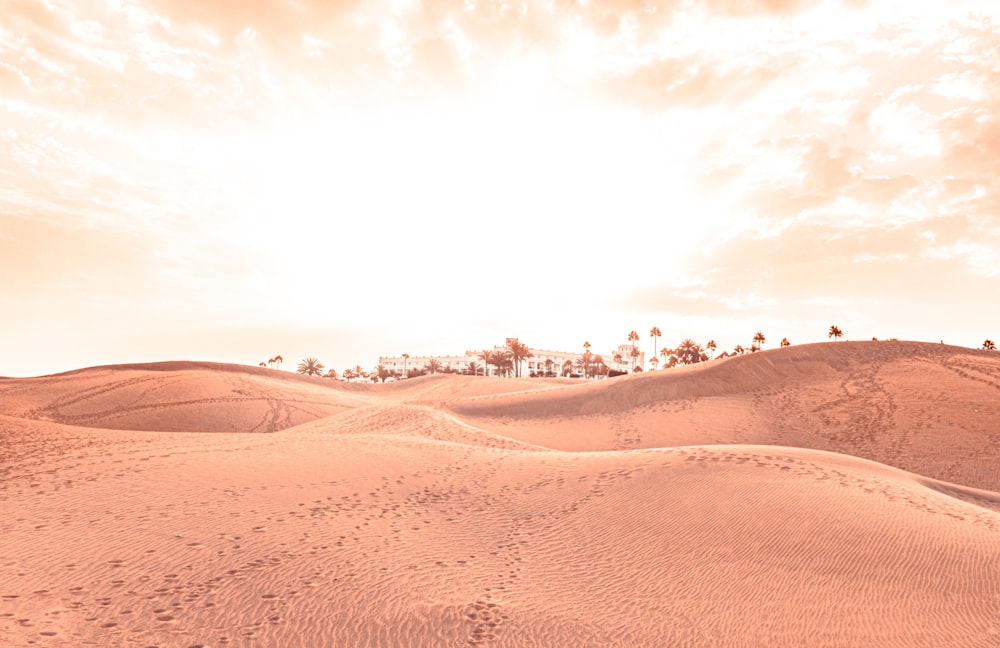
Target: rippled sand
841, 494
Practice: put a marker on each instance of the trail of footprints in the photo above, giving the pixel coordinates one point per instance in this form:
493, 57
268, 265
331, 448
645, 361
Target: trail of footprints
118, 606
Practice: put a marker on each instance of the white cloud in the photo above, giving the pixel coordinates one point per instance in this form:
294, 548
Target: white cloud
960, 85
905, 130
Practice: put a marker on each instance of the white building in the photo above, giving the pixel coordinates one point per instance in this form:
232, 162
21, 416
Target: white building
542, 362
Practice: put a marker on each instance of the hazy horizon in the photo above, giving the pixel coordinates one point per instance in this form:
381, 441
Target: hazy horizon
209, 181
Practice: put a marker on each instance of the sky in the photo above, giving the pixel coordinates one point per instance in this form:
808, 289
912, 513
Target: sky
229, 181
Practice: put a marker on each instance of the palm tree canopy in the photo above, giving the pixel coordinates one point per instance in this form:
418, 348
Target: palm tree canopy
835, 332
504, 361
655, 332
759, 338
518, 351
311, 367
487, 357
690, 352
633, 336
989, 345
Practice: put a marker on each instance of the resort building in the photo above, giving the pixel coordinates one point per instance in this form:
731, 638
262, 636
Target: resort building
542, 362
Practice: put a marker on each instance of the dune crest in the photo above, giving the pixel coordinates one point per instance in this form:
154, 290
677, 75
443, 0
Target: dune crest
927, 408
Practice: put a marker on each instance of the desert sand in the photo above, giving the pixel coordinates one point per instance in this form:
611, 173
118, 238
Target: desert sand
841, 494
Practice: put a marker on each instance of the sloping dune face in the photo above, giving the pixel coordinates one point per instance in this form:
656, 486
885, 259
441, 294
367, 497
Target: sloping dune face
926, 408
177, 397
396, 521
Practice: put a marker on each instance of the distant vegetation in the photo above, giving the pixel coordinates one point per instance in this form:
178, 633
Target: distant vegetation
274, 362
509, 360
311, 367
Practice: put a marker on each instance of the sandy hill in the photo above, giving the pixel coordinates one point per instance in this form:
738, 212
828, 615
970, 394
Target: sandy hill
217, 397
456, 511
444, 387
178, 396
927, 408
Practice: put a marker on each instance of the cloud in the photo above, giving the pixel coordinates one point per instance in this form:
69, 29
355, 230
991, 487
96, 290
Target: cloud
210, 156
916, 263
687, 82
752, 7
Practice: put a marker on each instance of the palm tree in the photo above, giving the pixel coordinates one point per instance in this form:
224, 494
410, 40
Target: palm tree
654, 333
433, 366
690, 352
665, 353
311, 367
654, 361
349, 375
360, 372
504, 361
711, 346
759, 339
633, 337
382, 372
331, 374
989, 345
278, 360
519, 351
487, 357
406, 356
785, 343
263, 365
472, 368
739, 350
835, 332
600, 367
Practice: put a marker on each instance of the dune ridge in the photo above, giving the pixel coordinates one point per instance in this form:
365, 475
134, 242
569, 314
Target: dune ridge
927, 408
405, 515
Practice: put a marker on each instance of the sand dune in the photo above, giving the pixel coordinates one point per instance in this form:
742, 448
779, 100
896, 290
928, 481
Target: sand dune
215, 397
392, 519
178, 396
927, 408
440, 388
